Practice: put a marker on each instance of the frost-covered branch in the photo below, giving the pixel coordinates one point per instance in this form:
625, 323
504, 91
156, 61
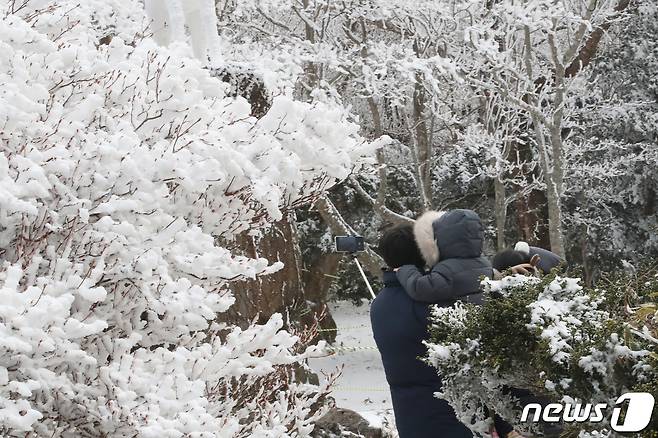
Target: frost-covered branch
386, 213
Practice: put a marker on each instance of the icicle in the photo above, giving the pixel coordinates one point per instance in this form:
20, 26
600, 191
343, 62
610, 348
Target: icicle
160, 21
201, 20
173, 19
177, 19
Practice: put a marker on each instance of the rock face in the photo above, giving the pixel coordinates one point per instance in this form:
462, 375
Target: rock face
340, 422
285, 291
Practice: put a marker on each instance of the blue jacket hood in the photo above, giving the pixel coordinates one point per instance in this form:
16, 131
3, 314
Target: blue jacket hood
446, 235
459, 234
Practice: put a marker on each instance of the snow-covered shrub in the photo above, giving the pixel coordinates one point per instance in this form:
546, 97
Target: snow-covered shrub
124, 171
550, 336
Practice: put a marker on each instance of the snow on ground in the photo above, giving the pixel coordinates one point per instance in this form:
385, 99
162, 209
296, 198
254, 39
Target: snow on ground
362, 385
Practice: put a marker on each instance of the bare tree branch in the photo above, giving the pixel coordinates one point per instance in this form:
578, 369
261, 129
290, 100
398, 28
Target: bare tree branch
383, 211
589, 49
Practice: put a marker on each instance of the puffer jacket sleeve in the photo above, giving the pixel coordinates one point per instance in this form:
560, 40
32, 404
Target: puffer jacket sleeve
433, 287
547, 259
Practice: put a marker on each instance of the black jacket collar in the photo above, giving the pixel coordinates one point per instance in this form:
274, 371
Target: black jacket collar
390, 278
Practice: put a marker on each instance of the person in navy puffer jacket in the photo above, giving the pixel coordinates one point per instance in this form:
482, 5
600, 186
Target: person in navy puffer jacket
451, 244
399, 326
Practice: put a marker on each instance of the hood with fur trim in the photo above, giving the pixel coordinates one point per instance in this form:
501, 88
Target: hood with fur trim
453, 234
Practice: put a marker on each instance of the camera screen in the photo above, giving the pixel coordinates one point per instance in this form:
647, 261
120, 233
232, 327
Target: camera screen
349, 243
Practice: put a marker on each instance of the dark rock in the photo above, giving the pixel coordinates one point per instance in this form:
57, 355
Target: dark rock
340, 422
247, 84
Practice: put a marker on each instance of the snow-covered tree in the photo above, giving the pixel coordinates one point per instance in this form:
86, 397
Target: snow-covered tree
478, 115
611, 213
533, 54
125, 172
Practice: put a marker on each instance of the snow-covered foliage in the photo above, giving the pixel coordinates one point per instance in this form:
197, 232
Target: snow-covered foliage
125, 170
614, 194
469, 88
550, 336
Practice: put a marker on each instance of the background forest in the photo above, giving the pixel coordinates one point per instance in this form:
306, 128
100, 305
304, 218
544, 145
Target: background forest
541, 116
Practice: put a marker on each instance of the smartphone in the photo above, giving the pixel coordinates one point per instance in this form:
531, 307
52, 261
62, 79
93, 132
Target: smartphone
349, 243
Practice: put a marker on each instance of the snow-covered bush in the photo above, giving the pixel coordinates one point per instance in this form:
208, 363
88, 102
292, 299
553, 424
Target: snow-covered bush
125, 171
550, 336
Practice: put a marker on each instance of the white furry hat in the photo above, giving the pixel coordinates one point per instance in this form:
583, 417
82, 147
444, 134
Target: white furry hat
522, 247
424, 234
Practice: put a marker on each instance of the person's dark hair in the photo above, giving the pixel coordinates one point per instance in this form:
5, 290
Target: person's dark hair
398, 247
506, 259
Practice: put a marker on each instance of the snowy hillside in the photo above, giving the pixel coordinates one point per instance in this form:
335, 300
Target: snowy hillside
362, 385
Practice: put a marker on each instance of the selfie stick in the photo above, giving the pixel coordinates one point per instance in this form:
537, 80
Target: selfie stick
363, 274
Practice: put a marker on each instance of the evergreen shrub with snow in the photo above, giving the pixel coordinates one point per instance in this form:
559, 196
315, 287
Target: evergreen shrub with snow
553, 337
125, 172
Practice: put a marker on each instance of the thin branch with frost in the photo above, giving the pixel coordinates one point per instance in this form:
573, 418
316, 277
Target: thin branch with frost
386, 213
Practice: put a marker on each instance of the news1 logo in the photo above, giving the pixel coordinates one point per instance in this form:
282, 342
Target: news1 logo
636, 419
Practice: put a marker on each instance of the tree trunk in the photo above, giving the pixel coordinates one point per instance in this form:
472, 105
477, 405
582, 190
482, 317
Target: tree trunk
554, 184
382, 173
423, 146
552, 168
531, 214
554, 216
281, 292
500, 212
554, 172
589, 49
